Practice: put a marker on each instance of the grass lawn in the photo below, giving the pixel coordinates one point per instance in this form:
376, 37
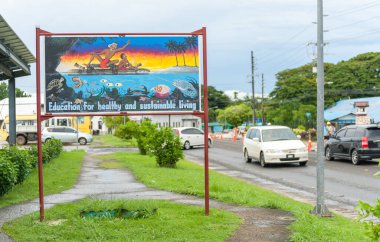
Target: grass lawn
172, 222
108, 140
59, 175
188, 179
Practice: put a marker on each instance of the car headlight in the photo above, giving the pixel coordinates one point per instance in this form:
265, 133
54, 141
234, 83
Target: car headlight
273, 151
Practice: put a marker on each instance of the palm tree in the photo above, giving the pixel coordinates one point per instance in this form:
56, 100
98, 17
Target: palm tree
192, 44
172, 46
182, 48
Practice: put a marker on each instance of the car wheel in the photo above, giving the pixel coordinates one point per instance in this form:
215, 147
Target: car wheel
328, 154
187, 146
21, 140
82, 141
303, 163
355, 157
47, 140
246, 156
262, 160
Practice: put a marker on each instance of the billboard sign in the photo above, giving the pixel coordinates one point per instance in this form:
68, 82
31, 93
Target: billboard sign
121, 74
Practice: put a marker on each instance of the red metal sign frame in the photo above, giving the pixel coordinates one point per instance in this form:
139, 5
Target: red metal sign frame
41, 117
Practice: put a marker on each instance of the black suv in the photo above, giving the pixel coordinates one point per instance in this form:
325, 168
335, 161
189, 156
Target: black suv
354, 142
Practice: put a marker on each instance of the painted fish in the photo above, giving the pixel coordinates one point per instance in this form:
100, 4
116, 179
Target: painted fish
78, 82
119, 84
186, 88
161, 91
103, 80
55, 83
110, 84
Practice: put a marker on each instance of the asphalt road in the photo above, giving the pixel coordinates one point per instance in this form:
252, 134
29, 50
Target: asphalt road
345, 183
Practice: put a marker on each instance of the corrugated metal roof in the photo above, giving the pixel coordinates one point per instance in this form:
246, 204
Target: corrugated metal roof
345, 107
13, 52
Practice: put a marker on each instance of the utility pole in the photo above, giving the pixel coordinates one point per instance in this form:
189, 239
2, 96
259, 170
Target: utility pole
253, 88
262, 99
320, 209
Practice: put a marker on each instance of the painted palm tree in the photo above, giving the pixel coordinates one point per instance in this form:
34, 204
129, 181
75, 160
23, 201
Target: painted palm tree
192, 44
172, 46
182, 49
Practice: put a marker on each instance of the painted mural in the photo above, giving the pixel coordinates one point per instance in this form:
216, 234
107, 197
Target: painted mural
122, 74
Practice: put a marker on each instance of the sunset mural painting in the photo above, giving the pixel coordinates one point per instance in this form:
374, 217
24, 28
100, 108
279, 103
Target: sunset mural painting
122, 74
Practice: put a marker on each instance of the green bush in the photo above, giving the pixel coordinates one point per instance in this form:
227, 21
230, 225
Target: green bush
54, 147
365, 211
16, 164
145, 135
127, 131
8, 174
166, 147
33, 152
141, 132
21, 161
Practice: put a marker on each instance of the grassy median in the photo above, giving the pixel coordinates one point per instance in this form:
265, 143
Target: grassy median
59, 175
188, 179
108, 140
172, 222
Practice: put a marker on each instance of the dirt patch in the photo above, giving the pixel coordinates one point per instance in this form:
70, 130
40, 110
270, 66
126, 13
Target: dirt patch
261, 224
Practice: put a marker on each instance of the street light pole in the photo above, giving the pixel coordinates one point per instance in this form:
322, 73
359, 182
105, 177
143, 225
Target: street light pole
253, 88
320, 209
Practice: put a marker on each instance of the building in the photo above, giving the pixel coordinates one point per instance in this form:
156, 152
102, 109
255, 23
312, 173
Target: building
352, 111
171, 120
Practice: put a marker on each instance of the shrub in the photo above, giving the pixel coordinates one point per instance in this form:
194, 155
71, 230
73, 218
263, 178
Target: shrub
33, 152
21, 161
54, 147
16, 164
127, 131
8, 174
365, 211
166, 147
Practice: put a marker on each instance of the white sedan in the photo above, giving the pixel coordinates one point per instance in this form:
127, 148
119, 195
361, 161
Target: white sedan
274, 144
66, 135
191, 137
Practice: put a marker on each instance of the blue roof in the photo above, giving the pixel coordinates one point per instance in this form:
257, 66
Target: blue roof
345, 107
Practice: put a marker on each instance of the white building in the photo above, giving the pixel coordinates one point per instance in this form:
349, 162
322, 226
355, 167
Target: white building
171, 120
24, 105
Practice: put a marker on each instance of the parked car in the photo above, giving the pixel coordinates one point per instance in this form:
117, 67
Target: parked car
191, 137
66, 135
274, 144
355, 143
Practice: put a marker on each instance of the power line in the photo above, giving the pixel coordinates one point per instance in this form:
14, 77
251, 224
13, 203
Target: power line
354, 23
350, 11
285, 42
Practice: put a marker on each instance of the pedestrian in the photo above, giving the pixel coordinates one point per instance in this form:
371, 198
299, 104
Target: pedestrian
331, 129
326, 131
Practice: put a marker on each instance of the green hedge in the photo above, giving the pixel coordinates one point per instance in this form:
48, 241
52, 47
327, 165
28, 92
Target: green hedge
16, 164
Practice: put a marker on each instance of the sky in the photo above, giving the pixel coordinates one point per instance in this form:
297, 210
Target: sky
280, 32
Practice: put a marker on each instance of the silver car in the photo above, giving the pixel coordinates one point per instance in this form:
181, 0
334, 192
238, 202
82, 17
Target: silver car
66, 135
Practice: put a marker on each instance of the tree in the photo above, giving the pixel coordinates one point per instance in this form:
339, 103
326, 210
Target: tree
114, 122
172, 46
4, 91
236, 114
192, 44
182, 49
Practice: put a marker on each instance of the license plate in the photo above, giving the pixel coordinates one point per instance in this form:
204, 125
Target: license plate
290, 156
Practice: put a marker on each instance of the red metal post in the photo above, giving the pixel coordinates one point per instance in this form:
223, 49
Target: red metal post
205, 119
39, 129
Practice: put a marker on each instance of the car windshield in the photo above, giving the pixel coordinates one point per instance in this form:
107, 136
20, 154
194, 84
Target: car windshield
373, 132
278, 134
